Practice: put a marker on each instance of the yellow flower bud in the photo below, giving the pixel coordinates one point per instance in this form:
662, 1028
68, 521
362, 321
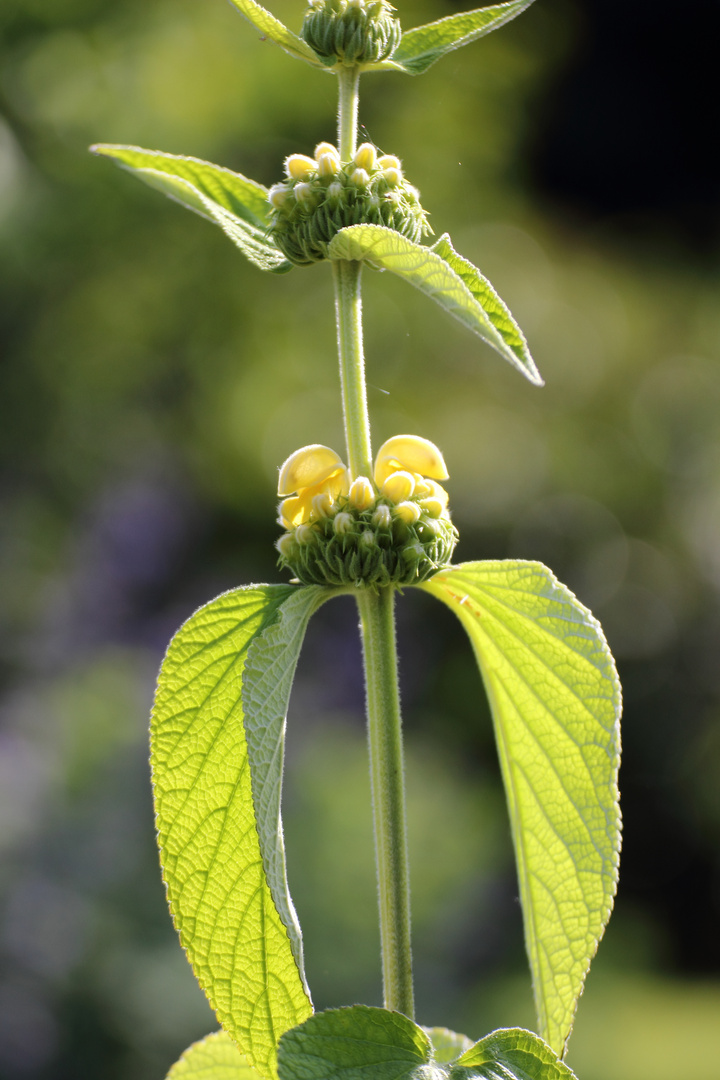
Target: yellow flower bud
433, 507
325, 148
328, 164
286, 545
303, 192
322, 505
360, 178
409, 512
389, 161
343, 523
365, 157
398, 486
393, 177
362, 494
277, 195
299, 166
304, 534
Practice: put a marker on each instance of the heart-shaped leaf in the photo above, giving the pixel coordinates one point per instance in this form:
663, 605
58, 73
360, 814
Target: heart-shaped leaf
443, 275
217, 753
555, 700
232, 201
361, 1042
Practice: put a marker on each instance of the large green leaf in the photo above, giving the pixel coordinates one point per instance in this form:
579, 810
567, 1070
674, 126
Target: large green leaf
555, 700
424, 45
238, 205
226, 678
451, 281
216, 1057
272, 28
361, 1042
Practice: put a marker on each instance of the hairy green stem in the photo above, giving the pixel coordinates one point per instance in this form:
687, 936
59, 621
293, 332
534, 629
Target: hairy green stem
377, 624
348, 83
348, 312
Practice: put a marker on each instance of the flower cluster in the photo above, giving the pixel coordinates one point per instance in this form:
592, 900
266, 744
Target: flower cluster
394, 528
351, 31
321, 195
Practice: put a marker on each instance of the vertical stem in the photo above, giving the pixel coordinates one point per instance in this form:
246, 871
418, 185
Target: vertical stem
377, 623
348, 312
348, 82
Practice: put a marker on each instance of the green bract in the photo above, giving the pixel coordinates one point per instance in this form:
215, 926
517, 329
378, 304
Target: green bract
351, 31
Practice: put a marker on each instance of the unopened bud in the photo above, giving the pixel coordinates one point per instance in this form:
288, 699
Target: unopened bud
432, 506
393, 177
365, 157
335, 191
322, 504
286, 545
398, 486
367, 538
328, 164
360, 178
305, 534
382, 518
325, 148
362, 494
389, 161
303, 193
343, 523
298, 166
409, 512
277, 195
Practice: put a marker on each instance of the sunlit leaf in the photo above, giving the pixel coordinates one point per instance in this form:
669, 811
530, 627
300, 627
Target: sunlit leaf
447, 1044
452, 282
272, 28
238, 205
424, 45
361, 1042
218, 818
216, 1057
555, 699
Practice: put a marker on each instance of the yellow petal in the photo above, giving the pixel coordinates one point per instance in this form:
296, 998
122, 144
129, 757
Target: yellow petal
408, 511
308, 466
294, 511
411, 453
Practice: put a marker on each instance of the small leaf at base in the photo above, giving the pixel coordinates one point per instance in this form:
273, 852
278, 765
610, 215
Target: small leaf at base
216, 1057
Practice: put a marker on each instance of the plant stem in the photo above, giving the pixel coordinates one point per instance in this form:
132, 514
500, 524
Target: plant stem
377, 623
348, 83
348, 312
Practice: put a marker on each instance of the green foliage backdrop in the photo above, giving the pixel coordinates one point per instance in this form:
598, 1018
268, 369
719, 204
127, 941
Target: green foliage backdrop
150, 384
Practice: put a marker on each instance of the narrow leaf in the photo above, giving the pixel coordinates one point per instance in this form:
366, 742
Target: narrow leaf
221, 853
513, 1054
272, 28
216, 1057
445, 277
238, 205
555, 700
424, 45
361, 1042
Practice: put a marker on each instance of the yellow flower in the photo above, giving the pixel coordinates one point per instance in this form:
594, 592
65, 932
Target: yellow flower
410, 454
310, 472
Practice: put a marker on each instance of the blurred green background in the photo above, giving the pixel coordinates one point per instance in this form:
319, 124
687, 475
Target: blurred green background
150, 384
